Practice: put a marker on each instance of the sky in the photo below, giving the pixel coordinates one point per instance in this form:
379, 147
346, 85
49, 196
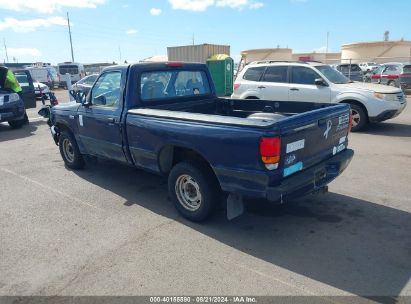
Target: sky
114, 30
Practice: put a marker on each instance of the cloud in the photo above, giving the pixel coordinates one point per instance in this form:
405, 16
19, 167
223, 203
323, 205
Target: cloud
256, 5
202, 5
191, 5
30, 25
18, 52
47, 6
131, 32
321, 49
125, 6
155, 11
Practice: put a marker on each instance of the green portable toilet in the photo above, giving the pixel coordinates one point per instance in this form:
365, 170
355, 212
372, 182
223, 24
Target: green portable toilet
221, 67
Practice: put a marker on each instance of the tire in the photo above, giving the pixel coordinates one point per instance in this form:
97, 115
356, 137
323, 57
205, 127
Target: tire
359, 118
69, 151
194, 190
17, 124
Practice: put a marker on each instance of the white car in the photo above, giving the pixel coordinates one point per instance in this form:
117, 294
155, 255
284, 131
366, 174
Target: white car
367, 66
40, 88
317, 82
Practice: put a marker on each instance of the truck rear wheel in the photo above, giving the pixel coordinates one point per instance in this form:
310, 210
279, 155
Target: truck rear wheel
69, 151
194, 190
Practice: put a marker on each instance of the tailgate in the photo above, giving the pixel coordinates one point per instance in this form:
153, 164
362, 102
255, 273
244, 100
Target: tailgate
314, 136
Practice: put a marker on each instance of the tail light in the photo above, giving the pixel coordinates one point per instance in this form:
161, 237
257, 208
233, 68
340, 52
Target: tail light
350, 123
270, 151
236, 86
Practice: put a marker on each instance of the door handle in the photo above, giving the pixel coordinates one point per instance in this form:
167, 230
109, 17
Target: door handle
261, 87
111, 120
294, 89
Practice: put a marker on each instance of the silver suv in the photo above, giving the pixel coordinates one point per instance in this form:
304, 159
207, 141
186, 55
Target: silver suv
318, 82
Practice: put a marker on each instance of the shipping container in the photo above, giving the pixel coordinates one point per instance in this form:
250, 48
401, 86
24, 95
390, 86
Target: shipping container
196, 53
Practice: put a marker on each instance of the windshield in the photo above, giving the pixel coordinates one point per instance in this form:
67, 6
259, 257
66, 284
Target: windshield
332, 75
23, 80
70, 69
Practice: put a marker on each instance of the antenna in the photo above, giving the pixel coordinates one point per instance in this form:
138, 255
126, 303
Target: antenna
5, 49
71, 42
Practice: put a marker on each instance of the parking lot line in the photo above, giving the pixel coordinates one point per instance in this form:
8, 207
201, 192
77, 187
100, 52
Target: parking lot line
49, 189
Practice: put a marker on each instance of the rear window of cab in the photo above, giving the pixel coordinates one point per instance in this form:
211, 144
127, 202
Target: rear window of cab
170, 84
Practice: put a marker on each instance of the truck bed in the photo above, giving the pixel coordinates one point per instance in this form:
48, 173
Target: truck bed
232, 111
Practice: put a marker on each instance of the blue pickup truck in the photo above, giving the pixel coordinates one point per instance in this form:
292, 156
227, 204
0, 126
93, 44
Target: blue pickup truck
167, 119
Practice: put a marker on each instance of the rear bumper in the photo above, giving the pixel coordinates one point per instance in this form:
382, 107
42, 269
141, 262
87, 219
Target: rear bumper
311, 179
257, 185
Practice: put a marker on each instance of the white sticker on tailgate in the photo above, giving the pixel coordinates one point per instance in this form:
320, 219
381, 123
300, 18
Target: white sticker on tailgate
294, 146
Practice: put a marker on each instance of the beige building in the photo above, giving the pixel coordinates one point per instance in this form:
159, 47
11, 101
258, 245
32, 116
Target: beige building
266, 54
379, 51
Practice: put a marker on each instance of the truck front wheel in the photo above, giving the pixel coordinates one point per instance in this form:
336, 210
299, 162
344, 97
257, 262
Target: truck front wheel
194, 190
69, 151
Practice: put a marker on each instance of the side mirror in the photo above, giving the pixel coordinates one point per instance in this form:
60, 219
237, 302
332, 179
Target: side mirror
78, 96
320, 82
44, 112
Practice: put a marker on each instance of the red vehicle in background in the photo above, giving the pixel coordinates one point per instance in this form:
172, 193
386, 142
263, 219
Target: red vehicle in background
388, 74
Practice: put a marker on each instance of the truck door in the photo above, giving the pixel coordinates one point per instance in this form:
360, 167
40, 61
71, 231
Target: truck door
99, 123
303, 87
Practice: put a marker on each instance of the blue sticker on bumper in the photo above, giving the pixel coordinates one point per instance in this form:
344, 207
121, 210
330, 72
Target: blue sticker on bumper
292, 169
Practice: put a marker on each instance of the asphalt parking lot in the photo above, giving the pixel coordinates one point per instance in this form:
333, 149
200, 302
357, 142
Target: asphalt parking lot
110, 229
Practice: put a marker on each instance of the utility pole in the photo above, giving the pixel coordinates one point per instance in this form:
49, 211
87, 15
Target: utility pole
71, 42
193, 38
5, 49
328, 36
326, 48
119, 51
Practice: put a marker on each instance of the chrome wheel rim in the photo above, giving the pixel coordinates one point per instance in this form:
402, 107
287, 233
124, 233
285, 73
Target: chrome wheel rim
356, 118
68, 150
188, 192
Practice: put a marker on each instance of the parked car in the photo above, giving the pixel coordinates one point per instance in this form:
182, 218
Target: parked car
316, 82
351, 71
27, 86
374, 72
389, 75
367, 66
166, 118
85, 83
12, 109
41, 90
44, 74
405, 78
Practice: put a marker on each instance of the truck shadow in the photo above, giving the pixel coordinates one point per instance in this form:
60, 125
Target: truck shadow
7, 133
388, 129
351, 244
